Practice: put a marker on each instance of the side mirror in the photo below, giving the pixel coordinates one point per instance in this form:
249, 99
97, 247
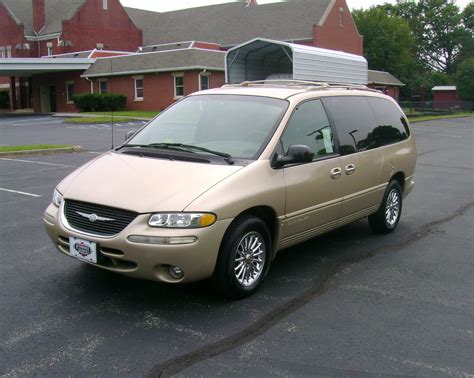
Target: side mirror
297, 153
129, 135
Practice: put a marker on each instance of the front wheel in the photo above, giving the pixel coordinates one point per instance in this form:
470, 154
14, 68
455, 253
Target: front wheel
386, 219
244, 257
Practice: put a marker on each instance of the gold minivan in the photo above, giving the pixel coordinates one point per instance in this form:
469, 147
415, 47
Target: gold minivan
222, 180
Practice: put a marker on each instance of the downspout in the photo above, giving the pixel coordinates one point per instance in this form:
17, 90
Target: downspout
92, 84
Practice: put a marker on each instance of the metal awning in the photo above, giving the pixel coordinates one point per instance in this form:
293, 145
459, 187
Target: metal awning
25, 67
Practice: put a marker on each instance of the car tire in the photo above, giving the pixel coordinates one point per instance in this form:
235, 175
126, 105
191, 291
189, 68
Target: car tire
244, 257
386, 219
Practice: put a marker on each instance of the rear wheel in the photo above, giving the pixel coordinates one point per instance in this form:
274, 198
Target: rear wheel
244, 257
386, 219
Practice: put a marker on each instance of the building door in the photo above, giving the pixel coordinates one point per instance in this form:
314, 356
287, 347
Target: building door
45, 99
52, 98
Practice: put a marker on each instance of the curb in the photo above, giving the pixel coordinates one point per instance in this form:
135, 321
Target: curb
414, 120
48, 151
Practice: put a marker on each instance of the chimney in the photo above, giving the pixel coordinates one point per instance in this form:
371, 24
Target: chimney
250, 3
38, 15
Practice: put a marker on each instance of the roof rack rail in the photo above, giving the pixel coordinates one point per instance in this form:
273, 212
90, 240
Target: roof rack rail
311, 85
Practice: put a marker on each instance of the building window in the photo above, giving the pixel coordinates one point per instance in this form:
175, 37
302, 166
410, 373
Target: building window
2, 53
204, 82
341, 17
9, 51
69, 92
178, 85
102, 86
105, 4
138, 88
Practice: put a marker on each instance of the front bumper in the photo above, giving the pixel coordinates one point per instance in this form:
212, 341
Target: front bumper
146, 261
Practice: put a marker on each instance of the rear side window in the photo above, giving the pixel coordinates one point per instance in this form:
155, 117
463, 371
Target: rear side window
354, 122
390, 124
309, 125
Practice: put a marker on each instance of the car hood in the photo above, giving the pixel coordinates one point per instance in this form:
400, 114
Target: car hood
142, 184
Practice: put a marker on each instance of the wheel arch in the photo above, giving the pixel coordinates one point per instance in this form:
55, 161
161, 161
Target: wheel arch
400, 177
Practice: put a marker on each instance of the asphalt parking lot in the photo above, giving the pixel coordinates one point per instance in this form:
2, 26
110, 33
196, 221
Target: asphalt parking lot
349, 303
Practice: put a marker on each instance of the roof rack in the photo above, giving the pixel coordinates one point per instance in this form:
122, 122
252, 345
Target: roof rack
310, 85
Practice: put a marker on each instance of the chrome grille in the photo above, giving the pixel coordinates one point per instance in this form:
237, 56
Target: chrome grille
107, 221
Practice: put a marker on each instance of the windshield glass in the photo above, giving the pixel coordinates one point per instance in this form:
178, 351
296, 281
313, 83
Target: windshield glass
230, 124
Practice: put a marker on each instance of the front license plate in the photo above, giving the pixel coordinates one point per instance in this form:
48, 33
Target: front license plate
83, 249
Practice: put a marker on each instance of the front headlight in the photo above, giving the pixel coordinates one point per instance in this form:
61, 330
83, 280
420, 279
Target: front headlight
57, 198
182, 220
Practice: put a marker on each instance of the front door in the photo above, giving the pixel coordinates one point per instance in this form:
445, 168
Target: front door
52, 98
313, 196
45, 99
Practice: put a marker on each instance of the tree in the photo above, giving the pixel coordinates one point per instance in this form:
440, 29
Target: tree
468, 16
464, 80
467, 48
440, 30
388, 41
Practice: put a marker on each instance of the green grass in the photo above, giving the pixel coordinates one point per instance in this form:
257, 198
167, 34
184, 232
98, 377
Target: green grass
126, 113
101, 119
434, 117
32, 147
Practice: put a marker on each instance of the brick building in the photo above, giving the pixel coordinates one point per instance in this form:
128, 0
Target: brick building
47, 34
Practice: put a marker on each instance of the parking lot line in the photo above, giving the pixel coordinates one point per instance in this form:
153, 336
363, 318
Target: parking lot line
18, 192
39, 162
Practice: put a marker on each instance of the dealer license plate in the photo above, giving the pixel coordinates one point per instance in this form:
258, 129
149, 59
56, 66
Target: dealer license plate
83, 249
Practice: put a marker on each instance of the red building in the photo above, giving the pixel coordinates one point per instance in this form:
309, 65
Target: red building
161, 68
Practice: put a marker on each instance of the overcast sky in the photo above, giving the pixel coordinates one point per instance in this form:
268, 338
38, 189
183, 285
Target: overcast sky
167, 5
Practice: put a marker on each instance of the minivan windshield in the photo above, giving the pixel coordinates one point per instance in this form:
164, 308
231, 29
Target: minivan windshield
234, 125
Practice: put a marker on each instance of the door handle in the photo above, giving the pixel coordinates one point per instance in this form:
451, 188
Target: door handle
350, 169
336, 173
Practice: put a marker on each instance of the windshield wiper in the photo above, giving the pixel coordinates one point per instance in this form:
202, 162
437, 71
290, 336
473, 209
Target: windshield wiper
184, 147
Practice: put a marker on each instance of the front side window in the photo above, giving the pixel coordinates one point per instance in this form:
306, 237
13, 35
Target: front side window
69, 92
178, 86
353, 120
103, 86
236, 125
138, 89
309, 126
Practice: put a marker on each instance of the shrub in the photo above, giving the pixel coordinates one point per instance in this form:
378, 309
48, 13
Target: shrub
97, 102
4, 100
114, 101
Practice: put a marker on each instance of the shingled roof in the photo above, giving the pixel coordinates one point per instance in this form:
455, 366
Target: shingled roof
384, 78
233, 23
163, 61
55, 12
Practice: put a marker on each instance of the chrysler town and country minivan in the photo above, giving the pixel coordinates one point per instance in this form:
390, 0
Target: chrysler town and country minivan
221, 181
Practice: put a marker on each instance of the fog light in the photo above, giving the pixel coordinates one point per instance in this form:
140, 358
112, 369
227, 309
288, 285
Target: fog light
176, 272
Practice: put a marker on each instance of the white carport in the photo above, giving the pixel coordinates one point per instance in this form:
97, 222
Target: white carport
261, 59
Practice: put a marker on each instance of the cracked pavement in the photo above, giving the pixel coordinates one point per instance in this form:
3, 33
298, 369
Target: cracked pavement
348, 303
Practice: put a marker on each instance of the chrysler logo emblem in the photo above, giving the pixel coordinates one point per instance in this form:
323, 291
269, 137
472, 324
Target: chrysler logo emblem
94, 217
